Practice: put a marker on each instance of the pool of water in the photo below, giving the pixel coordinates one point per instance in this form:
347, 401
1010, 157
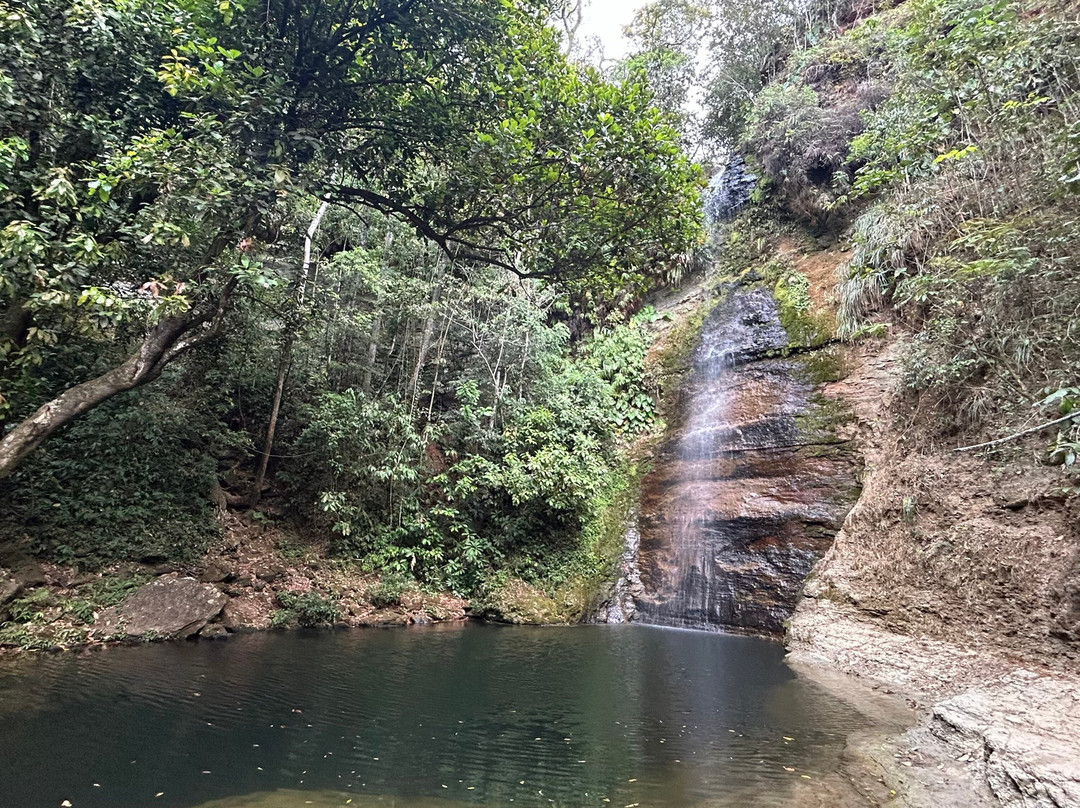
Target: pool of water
441, 716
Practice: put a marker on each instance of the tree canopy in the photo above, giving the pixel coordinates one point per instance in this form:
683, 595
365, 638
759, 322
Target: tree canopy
153, 151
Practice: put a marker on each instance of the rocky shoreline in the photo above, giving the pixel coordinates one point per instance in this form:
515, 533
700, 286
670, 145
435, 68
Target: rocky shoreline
990, 730
247, 583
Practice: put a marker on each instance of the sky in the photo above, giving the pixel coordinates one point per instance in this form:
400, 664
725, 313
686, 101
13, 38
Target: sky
605, 19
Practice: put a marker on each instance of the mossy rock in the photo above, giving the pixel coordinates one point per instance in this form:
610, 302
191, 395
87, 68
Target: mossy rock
515, 601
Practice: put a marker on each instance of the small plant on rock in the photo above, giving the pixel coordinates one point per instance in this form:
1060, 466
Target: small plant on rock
309, 609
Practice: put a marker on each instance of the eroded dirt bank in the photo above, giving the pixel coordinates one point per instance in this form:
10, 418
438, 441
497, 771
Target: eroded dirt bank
952, 583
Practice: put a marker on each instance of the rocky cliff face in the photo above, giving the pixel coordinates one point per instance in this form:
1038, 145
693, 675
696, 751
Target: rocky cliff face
750, 484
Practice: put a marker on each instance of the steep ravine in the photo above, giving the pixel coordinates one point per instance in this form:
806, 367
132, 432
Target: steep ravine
945, 579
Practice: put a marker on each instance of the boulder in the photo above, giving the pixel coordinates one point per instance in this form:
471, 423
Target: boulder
9, 590
216, 572
28, 572
215, 631
270, 572
9, 587
166, 607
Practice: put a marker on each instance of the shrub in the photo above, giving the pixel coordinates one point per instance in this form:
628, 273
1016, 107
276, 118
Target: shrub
309, 609
127, 482
803, 149
388, 591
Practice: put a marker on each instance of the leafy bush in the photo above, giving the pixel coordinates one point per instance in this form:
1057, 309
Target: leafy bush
129, 481
803, 148
29, 609
309, 609
388, 591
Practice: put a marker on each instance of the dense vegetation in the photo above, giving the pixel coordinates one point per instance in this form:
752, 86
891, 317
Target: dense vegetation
378, 261
384, 264
937, 141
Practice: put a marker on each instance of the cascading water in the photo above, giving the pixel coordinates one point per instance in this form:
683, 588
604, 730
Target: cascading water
751, 482
692, 572
748, 489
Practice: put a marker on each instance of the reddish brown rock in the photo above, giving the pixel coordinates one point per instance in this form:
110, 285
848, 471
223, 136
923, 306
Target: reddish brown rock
246, 614
750, 485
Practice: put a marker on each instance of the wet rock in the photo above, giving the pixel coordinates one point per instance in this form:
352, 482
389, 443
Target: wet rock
385, 618
166, 607
729, 190
215, 631
748, 489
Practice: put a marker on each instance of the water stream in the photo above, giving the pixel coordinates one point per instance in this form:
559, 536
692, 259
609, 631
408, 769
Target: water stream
713, 547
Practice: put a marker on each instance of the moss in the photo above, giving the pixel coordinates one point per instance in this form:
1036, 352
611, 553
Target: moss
823, 418
822, 366
512, 600
603, 542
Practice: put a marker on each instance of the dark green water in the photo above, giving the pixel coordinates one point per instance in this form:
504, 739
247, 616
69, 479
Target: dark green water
498, 716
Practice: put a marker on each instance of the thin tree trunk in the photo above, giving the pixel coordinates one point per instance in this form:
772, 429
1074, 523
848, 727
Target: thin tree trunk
286, 359
373, 349
425, 342
268, 444
438, 363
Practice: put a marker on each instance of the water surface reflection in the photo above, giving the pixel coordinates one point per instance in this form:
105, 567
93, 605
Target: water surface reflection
591, 715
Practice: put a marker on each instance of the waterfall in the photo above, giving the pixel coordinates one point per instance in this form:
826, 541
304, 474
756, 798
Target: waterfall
751, 482
717, 550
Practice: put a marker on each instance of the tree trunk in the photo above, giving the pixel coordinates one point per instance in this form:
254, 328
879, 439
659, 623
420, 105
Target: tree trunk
164, 343
264, 460
286, 357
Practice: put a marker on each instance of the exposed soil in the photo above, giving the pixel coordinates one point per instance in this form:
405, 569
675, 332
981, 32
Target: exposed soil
953, 583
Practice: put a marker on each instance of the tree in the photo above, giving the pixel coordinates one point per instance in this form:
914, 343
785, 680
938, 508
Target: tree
668, 35
153, 150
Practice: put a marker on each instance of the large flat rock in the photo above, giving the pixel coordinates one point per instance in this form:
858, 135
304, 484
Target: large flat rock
166, 607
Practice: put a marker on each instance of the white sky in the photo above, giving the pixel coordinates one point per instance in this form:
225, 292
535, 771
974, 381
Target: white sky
605, 19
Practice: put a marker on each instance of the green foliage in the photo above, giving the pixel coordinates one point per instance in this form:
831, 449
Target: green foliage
891, 244
802, 147
1065, 450
308, 609
618, 356
125, 483
30, 609
111, 589
388, 591
974, 83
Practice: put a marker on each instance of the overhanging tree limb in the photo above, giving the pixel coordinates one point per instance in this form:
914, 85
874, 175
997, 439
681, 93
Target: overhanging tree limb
165, 342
